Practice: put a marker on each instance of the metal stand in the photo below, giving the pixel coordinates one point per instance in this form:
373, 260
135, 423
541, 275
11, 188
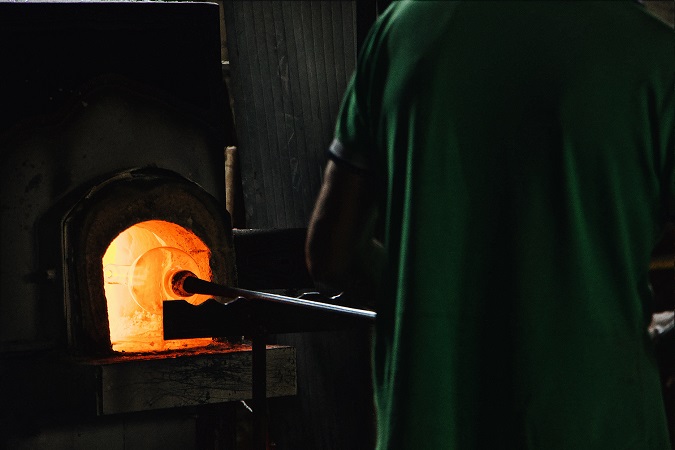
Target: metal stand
255, 314
259, 390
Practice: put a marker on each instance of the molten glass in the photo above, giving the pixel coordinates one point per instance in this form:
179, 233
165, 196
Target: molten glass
137, 270
149, 277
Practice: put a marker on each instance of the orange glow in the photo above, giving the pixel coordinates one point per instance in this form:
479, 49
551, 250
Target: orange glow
137, 269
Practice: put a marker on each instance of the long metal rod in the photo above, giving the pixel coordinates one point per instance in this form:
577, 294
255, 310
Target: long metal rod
194, 285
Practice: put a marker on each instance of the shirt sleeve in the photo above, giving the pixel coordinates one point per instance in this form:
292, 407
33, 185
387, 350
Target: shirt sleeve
340, 152
354, 141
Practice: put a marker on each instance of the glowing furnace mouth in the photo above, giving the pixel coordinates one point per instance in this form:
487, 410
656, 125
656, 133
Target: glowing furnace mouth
137, 269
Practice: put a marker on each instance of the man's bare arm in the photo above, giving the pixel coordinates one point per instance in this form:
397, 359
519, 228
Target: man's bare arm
340, 249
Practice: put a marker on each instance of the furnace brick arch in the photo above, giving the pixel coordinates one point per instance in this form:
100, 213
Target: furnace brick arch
113, 206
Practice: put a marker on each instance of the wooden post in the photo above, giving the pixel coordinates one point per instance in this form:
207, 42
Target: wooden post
234, 196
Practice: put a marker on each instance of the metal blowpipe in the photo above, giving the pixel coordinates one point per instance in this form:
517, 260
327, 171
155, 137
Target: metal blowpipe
186, 283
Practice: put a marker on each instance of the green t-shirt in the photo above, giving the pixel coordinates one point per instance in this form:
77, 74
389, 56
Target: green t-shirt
524, 153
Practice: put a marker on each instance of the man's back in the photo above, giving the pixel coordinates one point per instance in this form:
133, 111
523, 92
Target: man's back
525, 152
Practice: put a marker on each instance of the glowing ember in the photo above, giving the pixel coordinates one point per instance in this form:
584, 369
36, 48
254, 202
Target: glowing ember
137, 269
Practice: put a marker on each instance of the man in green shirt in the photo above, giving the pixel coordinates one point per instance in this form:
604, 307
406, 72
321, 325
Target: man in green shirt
519, 156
